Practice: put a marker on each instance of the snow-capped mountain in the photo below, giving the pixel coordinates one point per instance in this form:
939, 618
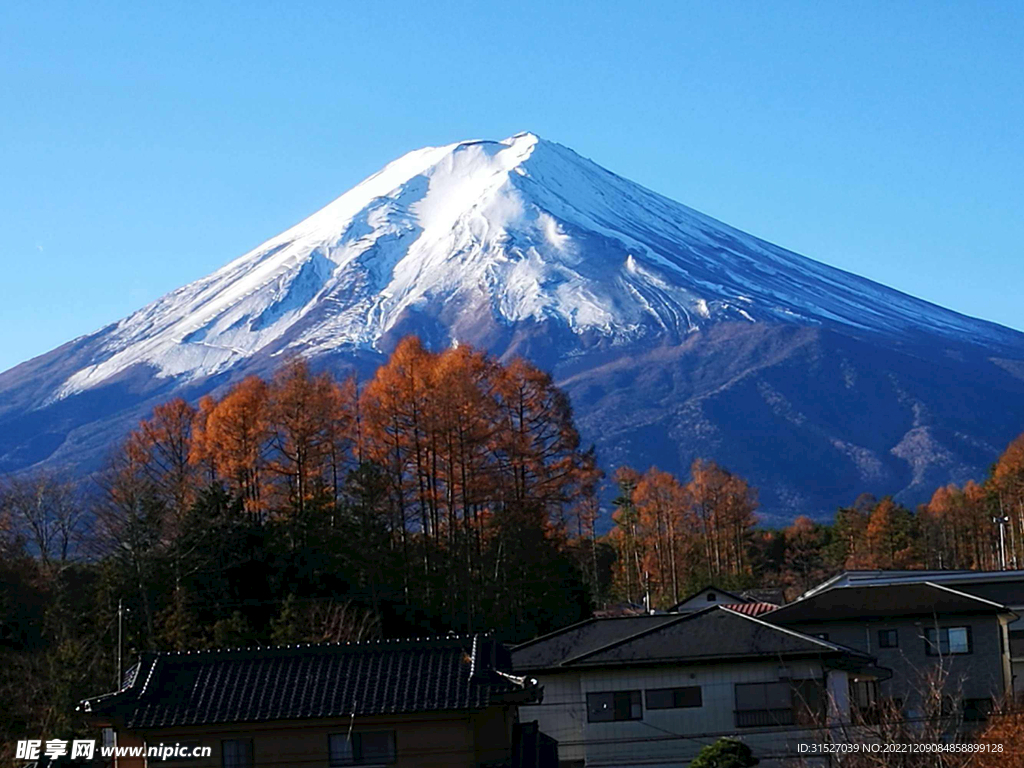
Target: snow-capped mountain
523, 246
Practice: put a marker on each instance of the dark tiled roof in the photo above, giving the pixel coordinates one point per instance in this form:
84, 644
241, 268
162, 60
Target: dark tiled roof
565, 644
313, 681
715, 633
882, 601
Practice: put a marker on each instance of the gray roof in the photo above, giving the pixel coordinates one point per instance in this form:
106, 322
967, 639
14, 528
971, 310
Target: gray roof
566, 644
1010, 582
882, 601
713, 634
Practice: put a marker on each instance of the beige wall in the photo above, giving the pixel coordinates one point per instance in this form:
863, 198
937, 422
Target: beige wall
421, 741
130, 740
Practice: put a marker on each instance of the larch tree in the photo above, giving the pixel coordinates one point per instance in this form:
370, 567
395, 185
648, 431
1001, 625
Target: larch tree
237, 437
626, 537
668, 527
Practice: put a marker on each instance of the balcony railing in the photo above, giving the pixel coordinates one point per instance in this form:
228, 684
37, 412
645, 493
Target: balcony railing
764, 718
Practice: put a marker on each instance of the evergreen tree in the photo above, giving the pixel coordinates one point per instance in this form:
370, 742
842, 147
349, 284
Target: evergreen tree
725, 753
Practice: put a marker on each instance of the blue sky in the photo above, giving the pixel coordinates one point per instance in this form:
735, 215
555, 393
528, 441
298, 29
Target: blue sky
143, 145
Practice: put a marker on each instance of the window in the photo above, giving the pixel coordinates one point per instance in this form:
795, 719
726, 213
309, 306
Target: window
1016, 643
888, 638
236, 753
944, 641
977, 710
712, 597
362, 748
674, 698
614, 705
808, 702
864, 702
761, 704
947, 706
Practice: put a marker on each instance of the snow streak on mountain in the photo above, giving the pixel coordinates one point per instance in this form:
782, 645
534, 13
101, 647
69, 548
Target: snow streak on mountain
675, 334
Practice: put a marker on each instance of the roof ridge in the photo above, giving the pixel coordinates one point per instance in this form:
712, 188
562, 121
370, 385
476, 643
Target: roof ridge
380, 642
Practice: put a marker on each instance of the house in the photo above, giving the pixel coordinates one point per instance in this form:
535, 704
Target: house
1004, 587
752, 602
448, 701
703, 598
931, 636
654, 689
765, 599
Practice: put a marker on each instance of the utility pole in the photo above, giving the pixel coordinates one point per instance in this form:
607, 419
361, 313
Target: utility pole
1002, 520
120, 641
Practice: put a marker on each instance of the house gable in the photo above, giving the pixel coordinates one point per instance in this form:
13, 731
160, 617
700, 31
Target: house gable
707, 597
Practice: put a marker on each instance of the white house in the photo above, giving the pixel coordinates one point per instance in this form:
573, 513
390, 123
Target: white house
654, 689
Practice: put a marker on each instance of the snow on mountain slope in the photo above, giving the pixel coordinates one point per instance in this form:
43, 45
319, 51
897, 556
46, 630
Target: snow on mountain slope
523, 230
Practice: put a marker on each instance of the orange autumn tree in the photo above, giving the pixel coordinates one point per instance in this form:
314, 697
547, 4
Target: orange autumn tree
476, 455
960, 526
1006, 500
471, 470
582, 520
668, 526
428, 422
957, 530
671, 538
627, 540
163, 444
236, 440
310, 420
276, 445
889, 536
725, 506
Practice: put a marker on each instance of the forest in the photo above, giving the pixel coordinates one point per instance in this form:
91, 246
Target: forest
450, 492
